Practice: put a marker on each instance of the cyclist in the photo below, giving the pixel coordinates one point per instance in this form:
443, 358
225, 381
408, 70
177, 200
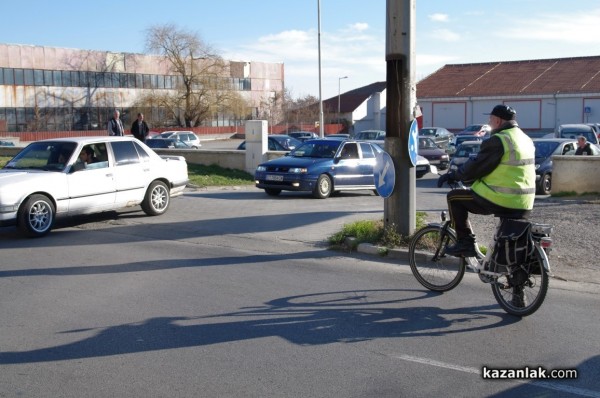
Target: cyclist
502, 178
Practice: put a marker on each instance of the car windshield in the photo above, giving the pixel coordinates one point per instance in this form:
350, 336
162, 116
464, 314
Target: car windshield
50, 156
426, 143
465, 151
543, 149
317, 149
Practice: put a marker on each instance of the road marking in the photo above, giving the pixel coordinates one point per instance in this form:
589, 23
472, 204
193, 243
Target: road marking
563, 388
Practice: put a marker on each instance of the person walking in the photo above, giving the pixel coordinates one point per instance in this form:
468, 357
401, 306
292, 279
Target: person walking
139, 128
115, 126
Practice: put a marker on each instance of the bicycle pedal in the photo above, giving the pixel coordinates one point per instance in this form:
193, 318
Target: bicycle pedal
485, 278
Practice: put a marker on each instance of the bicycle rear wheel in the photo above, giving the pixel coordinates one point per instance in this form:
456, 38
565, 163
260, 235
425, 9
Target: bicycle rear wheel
523, 292
428, 263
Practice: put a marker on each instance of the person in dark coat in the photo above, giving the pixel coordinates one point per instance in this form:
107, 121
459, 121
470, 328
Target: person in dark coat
139, 128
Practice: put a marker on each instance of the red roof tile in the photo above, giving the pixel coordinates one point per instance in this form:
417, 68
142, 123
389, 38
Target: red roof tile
534, 77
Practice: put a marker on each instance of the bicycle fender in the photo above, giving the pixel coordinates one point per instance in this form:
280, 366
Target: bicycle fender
434, 224
544, 257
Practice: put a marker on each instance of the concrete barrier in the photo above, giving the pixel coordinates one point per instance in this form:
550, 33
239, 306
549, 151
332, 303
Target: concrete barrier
229, 159
577, 174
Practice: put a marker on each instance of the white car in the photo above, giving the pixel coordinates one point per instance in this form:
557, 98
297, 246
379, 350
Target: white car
188, 137
48, 179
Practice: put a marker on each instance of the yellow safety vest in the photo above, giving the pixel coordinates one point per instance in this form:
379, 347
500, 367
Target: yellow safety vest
512, 183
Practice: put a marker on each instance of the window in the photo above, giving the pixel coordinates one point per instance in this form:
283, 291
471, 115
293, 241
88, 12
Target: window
125, 153
66, 78
48, 78
29, 77
57, 78
38, 77
1, 76
9, 76
367, 150
19, 77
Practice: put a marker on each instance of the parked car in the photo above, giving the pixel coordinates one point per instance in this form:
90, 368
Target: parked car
167, 143
277, 142
464, 151
434, 154
303, 135
338, 136
320, 166
376, 136
441, 136
459, 139
423, 167
188, 137
47, 180
477, 130
7, 143
575, 130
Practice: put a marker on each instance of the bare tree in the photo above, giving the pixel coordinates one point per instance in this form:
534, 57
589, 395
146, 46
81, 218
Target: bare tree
203, 86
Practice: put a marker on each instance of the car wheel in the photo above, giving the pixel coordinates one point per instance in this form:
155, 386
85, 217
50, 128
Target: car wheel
546, 184
323, 188
272, 192
36, 216
157, 199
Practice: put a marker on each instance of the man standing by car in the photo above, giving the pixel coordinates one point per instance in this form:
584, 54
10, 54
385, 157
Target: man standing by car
503, 176
583, 147
139, 128
115, 126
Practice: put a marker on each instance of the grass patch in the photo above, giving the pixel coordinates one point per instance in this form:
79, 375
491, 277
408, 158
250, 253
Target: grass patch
213, 175
4, 160
374, 232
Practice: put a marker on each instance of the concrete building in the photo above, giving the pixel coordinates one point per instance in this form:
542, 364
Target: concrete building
546, 93
49, 88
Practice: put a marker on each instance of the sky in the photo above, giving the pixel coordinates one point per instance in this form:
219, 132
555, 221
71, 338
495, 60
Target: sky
352, 32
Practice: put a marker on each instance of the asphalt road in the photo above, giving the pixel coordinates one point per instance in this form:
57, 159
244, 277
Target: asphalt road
233, 294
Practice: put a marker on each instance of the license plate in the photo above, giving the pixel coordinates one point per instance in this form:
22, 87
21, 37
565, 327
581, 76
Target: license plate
421, 168
273, 177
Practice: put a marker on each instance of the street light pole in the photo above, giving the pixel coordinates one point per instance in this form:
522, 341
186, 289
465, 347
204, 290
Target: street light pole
339, 82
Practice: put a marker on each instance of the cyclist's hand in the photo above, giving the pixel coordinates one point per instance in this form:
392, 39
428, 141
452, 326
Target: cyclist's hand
447, 178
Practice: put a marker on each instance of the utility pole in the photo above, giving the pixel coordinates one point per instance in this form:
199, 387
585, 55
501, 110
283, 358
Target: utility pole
399, 208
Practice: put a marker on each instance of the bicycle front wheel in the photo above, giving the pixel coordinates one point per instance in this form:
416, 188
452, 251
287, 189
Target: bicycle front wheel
428, 262
523, 292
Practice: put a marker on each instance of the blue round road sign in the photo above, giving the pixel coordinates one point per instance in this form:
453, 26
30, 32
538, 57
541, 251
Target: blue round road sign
384, 174
413, 142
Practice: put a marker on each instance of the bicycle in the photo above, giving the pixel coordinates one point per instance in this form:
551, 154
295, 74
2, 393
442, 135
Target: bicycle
519, 289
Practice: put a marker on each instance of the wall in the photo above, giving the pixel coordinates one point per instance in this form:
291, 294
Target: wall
575, 174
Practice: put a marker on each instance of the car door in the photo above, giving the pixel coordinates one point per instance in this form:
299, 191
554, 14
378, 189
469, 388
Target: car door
131, 172
91, 187
346, 168
367, 164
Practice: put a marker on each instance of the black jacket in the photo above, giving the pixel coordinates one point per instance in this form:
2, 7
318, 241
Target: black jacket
586, 150
140, 132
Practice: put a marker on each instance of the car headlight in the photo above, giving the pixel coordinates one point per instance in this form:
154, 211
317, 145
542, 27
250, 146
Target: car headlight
298, 170
537, 166
261, 168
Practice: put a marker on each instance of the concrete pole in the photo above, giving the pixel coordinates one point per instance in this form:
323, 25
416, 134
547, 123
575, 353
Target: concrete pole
399, 208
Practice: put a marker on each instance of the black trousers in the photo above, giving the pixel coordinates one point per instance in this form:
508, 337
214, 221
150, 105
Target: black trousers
461, 202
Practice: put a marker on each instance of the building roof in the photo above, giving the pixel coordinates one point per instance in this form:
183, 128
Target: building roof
533, 77
350, 100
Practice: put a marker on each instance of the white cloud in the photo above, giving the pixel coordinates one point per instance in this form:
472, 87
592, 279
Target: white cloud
360, 26
576, 28
438, 17
445, 35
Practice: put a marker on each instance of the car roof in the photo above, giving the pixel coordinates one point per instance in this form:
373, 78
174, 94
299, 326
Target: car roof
91, 139
554, 139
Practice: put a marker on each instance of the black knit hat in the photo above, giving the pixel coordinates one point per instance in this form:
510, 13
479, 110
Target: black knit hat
504, 112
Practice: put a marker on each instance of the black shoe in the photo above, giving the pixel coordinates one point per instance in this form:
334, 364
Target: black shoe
519, 300
464, 247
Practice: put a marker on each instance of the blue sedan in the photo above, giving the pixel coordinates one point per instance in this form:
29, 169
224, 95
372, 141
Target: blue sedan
322, 167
